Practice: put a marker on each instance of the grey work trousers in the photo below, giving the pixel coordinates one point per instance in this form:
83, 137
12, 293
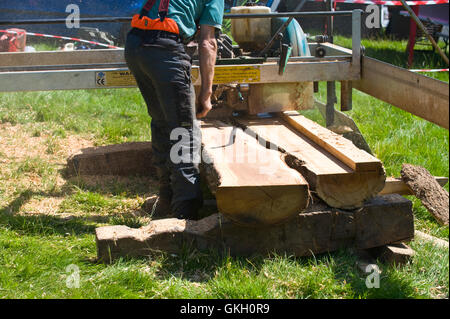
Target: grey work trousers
163, 73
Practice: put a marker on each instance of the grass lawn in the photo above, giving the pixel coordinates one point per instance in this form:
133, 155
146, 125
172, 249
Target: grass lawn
47, 223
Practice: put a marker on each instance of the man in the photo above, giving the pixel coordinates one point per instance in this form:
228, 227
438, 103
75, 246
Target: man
155, 54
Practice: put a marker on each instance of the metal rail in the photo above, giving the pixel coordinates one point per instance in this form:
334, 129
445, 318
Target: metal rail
51, 62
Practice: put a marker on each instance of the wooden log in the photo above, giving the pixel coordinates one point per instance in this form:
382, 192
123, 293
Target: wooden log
134, 158
252, 184
395, 185
428, 190
319, 229
332, 180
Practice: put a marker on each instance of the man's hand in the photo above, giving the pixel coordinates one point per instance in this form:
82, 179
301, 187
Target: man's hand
207, 56
204, 100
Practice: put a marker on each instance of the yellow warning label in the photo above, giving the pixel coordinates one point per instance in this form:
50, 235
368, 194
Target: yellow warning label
194, 74
222, 75
232, 74
237, 74
114, 79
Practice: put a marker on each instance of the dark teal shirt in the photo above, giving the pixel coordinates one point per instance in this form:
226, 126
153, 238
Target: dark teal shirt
188, 13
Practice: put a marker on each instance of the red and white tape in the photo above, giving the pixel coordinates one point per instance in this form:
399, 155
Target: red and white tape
391, 3
428, 70
64, 38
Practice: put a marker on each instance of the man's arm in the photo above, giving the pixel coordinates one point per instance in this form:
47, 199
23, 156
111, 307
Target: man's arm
207, 55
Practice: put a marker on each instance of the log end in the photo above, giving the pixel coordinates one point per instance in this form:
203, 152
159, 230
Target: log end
352, 190
264, 205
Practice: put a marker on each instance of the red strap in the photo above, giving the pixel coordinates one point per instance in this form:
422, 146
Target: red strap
149, 5
163, 6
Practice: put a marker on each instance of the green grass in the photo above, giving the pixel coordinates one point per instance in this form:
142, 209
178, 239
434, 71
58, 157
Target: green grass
113, 116
35, 250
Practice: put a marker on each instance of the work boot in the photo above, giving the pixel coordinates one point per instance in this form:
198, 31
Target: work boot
188, 209
161, 207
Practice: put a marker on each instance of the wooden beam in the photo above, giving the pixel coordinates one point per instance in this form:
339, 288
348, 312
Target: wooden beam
415, 93
252, 184
343, 149
395, 185
319, 229
434, 240
330, 179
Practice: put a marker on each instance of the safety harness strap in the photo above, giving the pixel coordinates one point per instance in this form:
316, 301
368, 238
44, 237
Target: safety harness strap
162, 10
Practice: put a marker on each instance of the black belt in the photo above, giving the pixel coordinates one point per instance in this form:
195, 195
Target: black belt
156, 34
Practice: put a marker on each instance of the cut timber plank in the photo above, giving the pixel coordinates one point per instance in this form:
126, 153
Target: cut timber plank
395, 185
319, 229
333, 181
340, 147
425, 188
343, 120
252, 184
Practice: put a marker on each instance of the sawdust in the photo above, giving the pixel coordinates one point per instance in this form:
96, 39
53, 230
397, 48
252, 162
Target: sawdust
17, 143
18, 148
42, 206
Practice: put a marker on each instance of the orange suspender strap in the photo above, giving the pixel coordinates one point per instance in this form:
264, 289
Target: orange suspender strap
141, 21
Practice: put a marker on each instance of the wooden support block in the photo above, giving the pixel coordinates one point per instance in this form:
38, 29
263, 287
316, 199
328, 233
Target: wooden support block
397, 254
252, 184
427, 189
387, 217
395, 185
319, 229
133, 158
332, 180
